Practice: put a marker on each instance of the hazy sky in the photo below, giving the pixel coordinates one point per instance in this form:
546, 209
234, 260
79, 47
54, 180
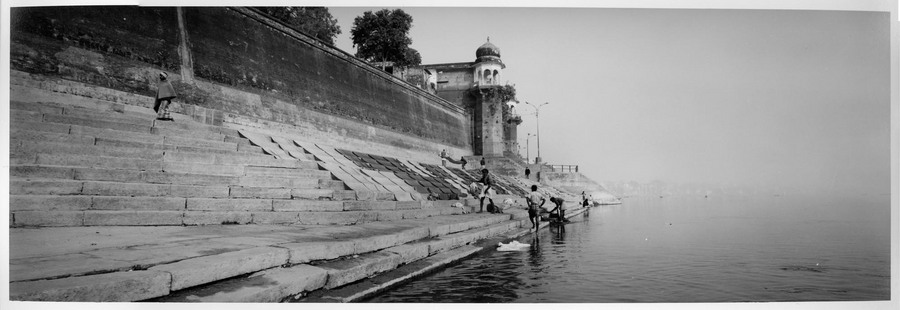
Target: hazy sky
775, 97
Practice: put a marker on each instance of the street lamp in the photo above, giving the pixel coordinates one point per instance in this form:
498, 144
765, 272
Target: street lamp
537, 120
528, 147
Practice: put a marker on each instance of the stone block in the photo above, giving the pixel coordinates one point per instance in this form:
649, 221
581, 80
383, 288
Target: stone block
351, 270
412, 234
180, 167
461, 226
221, 145
198, 191
307, 193
304, 252
386, 216
93, 121
20, 187
332, 218
438, 230
187, 178
364, 195
375, 243
183, 157
275, 217
133, 218
261, 160
116, 134
216, 218
308, 205
138, 203
109, 113
125, 189
35, 107
331, 184
385, 196
28, 116
196, 134
288, 172
285, 182
403, 196
343, 195
108, 287
201, 270
96, 161
48, 218
48, 203
112, 175
260, 192
267, 286
445, 243
42, 137
210, 204
41, 172
369, 205
408, 205
409, 252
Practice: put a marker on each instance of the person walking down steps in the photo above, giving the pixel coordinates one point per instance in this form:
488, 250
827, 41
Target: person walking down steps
164, 95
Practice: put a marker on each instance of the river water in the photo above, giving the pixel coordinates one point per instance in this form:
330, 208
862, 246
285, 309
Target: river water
685, 249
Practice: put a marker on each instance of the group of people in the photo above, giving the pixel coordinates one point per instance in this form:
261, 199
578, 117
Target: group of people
536, 203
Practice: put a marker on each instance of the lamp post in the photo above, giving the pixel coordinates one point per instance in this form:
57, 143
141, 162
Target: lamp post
537, 120
528, 147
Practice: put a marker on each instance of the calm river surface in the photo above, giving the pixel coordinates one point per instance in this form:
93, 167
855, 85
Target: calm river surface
686, 249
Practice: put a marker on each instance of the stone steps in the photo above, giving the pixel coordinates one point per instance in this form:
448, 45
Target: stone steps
88, 117
179, 173
56, 203
328, 265
189, 250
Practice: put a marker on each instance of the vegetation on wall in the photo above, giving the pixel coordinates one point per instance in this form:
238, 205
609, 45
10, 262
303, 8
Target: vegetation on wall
313, 21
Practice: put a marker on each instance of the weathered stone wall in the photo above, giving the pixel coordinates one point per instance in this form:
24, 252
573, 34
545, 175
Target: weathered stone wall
244, 64
573, 182
115, 47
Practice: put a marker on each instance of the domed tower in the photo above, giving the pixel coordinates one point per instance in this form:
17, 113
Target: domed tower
493, 128
488, 65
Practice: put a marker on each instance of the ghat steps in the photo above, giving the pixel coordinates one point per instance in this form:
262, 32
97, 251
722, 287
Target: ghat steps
109, 206
73, 166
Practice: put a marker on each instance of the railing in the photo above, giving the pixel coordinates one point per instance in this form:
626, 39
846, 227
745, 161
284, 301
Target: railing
564, 168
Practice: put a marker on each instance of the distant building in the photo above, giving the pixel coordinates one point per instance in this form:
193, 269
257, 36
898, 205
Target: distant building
494, 134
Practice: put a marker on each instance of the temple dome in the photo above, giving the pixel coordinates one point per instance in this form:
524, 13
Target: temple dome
487, 49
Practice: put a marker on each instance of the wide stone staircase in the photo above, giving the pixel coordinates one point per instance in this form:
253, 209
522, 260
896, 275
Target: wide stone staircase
109, 206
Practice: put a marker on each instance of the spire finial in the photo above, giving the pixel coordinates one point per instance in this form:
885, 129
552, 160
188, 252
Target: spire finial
489, 39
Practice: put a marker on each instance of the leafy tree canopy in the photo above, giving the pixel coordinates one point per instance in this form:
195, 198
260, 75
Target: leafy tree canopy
384, 36
313, 21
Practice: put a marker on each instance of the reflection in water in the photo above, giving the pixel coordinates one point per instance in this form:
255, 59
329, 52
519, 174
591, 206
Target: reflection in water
685, 250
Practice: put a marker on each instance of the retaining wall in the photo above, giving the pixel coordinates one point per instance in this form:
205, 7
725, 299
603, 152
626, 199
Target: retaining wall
238, 62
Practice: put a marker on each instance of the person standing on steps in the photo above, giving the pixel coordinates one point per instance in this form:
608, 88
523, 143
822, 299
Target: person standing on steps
533, 206
164, 95
482, 163
444, 157
464, 162
486, 191
527, 173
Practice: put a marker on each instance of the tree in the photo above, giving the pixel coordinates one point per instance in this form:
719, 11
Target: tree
313, 21
384, 36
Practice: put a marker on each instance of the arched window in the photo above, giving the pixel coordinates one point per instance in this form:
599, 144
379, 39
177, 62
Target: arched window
496, 75
487, 76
